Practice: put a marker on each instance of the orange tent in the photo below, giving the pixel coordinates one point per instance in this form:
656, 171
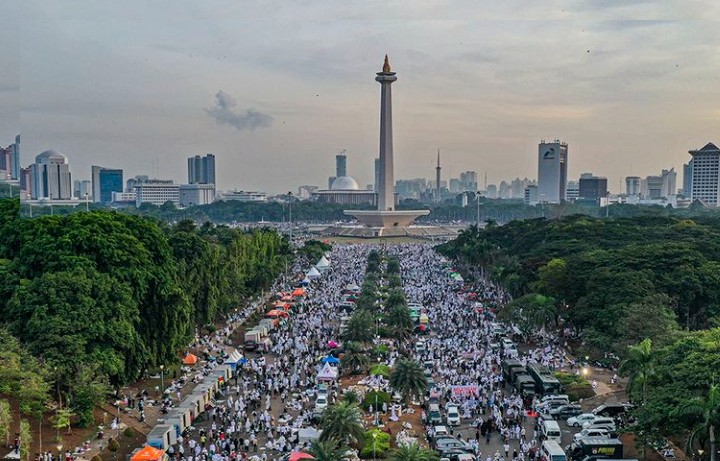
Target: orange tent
297, 292
276, 313
148, 453
190, 359
286, 298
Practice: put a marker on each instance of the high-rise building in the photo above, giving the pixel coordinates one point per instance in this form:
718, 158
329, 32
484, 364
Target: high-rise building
82, 188
706, 174
157, 192
132, 182
632, 186
438, 170
552, 171
15, 172
592, 187
468, 181
652, 187
6, 155
531, 195
196, 194
687, 178
340, 165
669, 183
572, 192
105, 181
201, 170
51, 176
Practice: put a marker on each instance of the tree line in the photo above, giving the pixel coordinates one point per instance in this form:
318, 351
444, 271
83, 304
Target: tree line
101, 298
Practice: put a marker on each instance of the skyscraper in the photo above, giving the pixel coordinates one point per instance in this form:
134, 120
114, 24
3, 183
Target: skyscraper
632, 185
105, 181
438, 170
51, 176
552, 171
340, 165
592, 187
201, 170
15, 166
669, 183
687, 178
706, 174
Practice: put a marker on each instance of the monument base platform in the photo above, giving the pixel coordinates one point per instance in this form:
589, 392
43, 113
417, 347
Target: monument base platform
386, 219
425, 232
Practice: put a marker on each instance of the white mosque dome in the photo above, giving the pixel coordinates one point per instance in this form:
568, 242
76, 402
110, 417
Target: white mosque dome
345, 183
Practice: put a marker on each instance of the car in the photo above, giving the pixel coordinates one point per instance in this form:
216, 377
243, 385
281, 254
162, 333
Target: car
555, 398
550, 405
508, 344
566, 411
440, 431
590, 433
601, 421
434, 416
446, 443
453, 416
321, 403
579, 420
611, 410
420, 347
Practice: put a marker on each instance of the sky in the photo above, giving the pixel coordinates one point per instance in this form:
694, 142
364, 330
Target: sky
275, 89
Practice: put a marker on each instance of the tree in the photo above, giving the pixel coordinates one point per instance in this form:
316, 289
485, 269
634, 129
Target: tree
351, 397
342, 422
327, 450
639, 367
706, 411
400, 322
25, 440
5, 421
412, 452
530, 311
62, 419
408, 379
359, 327
355, 360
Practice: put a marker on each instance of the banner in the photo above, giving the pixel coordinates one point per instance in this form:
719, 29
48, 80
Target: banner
465, 391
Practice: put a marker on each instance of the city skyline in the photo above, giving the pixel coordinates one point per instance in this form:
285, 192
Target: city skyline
275, 100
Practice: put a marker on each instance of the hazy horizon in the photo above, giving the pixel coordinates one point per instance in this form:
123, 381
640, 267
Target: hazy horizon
276, 89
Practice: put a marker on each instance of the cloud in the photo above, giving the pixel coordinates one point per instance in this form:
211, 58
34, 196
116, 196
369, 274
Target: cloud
224, 113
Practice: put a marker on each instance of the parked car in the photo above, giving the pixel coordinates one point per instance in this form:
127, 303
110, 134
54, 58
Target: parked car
590, 433
453, 416
321, 403
579, 420
566, 411
601, 421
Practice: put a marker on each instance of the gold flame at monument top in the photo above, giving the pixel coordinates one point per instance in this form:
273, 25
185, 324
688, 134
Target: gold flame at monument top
386, 64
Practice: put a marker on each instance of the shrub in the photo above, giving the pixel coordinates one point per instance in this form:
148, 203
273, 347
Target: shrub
129, 432
380, 369
579, 391
567, 379
382, 397
381, 444
113, 445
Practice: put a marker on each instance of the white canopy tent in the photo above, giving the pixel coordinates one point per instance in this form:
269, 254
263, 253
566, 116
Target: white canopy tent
327, 373
313, 273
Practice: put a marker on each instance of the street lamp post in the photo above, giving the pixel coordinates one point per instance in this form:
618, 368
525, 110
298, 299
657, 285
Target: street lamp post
290, 195
162, 381
374, 436
59, 449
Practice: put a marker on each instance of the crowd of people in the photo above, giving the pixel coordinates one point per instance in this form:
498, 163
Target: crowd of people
266, 410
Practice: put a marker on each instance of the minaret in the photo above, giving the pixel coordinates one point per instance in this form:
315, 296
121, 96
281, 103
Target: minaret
386, 189
437, 178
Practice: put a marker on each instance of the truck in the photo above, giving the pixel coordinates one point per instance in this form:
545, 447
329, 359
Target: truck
525, 384
596, 447
268, 323
545, 381
508, 365
252, 340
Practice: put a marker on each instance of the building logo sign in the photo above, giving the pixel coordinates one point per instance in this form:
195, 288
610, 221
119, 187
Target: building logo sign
549, 154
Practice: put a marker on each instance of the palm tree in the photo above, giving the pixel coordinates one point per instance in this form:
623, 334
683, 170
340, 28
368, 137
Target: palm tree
360, 327
639, 367
707, 411
408, 379
351, 397
342, 422
327, 450
355, 360
412, 452
399, 320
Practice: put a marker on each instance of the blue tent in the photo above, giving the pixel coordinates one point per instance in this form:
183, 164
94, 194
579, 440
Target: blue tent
331, 359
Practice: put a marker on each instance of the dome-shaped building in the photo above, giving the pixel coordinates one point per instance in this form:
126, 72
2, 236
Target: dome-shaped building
345, 183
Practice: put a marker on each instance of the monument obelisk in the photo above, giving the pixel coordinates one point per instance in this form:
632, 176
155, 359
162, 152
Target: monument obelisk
386, 189
386, 216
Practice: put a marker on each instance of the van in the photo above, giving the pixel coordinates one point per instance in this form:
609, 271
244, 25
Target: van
564, 398
551, 431
552, 451
434, 416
